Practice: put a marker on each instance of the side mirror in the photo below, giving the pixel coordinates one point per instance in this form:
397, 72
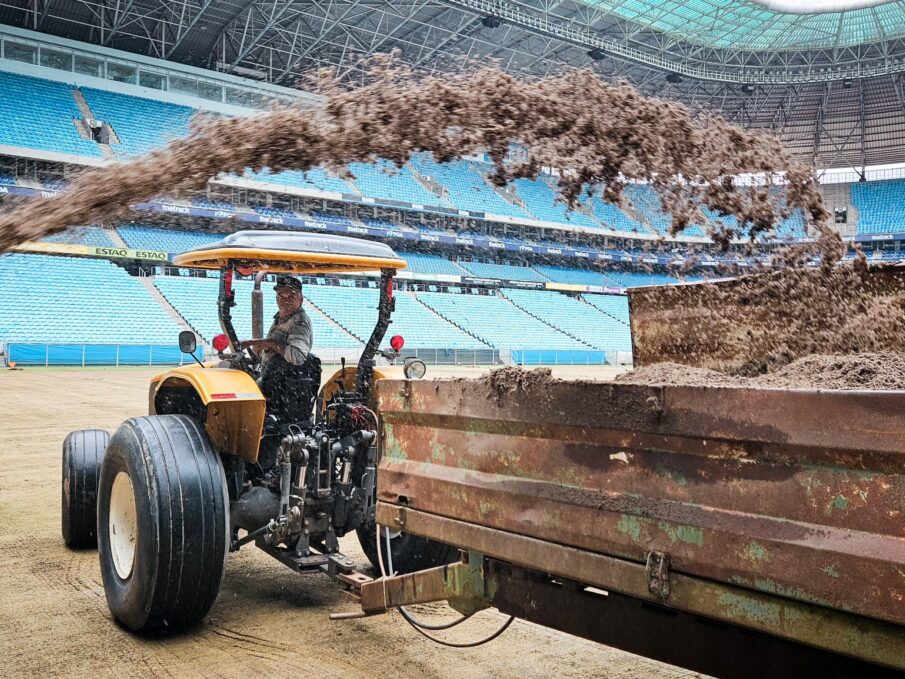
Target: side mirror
187, 342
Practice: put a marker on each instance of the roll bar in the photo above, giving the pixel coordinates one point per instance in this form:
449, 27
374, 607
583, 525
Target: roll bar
385, 309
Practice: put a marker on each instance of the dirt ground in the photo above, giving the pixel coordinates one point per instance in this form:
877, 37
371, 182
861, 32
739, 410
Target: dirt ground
267, 621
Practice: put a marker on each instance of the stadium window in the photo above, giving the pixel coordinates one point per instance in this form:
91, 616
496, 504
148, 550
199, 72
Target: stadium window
238, 97
88, 66
55, 59
16, 51
841, 215
209, 91
183, 85
155, 81
122, 73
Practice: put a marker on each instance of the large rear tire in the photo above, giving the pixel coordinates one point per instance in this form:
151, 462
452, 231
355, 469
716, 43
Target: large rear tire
162, 523
83, 453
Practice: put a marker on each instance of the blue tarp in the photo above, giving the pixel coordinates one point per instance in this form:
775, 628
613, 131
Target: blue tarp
95, 354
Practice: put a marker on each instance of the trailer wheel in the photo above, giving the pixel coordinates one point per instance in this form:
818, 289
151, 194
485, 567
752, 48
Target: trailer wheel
162, 523
410, 552
83, 453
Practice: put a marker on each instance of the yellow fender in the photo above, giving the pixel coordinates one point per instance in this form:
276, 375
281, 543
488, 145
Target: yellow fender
234, 403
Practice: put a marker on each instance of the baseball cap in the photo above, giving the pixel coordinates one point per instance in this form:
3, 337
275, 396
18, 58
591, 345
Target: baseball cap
288, 282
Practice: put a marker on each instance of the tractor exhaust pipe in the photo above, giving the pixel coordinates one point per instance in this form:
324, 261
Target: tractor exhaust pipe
257, 307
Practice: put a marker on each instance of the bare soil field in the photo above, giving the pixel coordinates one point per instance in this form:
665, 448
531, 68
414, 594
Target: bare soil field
268, 621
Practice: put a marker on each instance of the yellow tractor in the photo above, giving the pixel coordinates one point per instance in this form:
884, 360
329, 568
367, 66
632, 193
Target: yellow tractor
290, 465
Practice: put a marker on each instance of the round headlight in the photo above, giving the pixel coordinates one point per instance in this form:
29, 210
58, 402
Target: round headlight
414, 369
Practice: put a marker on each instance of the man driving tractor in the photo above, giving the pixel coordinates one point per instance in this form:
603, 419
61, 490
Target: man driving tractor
290, 373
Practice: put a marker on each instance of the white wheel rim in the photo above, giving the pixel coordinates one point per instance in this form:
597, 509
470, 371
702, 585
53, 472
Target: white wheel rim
123, 525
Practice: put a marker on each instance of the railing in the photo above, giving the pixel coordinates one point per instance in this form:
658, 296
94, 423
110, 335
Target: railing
73, 354
94, 354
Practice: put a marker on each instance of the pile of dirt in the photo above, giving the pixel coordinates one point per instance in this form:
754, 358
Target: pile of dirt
865, 371
502, 381
884, 370
598, 133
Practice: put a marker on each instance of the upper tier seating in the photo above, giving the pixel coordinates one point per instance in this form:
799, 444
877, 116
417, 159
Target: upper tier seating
140, 124
355, 309
611, 216
467, 187
431, 264
82, 235
384, 180
196, 300
574, 317
647, 203
881, 206
38, 114
561, 274
498, 322
504, 271
613, 305
315, 178
541, 201
167, 240
81, 301
633, 279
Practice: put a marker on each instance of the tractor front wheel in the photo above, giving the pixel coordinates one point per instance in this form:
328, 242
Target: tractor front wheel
163, 523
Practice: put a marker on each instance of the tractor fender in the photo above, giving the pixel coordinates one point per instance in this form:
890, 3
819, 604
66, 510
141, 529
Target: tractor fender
232, 405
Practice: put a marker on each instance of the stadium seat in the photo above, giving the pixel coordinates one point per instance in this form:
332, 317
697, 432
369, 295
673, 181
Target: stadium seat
467, 187
167, 240
881, 206
503, 271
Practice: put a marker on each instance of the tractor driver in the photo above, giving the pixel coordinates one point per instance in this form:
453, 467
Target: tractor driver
290, 373
290, 335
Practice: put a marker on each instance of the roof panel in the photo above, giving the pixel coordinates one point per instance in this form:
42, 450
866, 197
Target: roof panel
745, 24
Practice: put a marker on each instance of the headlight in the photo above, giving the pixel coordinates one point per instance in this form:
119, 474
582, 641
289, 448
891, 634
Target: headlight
414, 369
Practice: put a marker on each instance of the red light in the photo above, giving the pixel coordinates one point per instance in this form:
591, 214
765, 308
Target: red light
397, 342
220, 342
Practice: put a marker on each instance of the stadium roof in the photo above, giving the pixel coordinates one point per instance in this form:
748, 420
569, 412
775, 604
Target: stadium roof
830, 84
751, 25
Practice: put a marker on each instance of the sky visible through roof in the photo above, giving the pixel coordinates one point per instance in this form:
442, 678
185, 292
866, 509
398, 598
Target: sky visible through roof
750, 25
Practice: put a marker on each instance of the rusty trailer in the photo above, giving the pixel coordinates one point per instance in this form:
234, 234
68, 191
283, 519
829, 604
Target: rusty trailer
735, 531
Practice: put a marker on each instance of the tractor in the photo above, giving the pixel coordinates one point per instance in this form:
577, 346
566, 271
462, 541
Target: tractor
219, 463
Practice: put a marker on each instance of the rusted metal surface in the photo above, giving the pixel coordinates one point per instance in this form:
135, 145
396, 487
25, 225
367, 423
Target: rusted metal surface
794, 494
666, 634
463, 584
768, 613
675, 322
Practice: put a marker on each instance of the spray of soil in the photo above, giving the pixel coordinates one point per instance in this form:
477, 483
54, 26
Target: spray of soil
599, 132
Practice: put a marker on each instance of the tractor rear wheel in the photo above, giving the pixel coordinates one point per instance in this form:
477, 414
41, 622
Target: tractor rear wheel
83, 453
163, 523
409, 553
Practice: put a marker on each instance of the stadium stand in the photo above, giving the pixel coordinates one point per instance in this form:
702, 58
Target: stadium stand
140, 124
611, 216
355, 309
316, 178
647, 203
503, 271
37, 113
196, 301
384, 180
573, 317
881, 206
68, 299
498, 322
82, 235
612, 305
633, 279
167, 240
431, 264
540, 199
562, 274
466, 186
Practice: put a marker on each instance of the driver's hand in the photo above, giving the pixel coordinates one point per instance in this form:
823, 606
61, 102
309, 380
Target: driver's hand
257, 345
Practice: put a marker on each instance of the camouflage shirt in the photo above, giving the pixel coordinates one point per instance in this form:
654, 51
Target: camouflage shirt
295, 334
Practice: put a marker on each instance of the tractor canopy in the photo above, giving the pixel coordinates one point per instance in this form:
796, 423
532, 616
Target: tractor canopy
292, 252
